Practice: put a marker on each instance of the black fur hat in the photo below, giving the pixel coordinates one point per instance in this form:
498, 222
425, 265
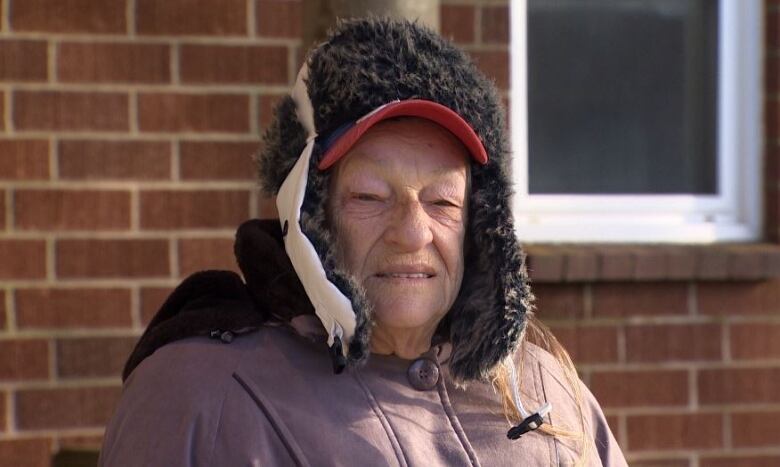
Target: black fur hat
364, 64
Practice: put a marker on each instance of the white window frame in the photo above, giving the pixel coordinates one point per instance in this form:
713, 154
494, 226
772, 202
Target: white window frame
734, 214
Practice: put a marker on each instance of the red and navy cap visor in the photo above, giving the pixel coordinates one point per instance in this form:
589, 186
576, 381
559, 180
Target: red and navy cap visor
338, 143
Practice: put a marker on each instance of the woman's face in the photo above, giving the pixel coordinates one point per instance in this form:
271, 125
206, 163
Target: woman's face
398, 208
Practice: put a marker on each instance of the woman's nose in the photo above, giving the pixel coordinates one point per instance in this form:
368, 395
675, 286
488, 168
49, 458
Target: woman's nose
409, 228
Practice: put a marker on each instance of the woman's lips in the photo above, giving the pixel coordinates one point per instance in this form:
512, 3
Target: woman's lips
402, 275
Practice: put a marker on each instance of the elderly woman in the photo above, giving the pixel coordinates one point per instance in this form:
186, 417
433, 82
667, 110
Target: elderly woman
385, 319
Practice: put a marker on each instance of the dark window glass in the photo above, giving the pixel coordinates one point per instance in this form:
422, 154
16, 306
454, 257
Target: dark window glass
622, 96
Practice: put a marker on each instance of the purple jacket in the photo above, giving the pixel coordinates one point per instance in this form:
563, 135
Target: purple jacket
269, 398
234, 373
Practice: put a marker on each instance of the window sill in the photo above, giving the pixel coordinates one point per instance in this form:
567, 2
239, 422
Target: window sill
628, 262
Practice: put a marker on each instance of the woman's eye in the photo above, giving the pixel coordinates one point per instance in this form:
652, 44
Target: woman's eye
366, 197
444, 203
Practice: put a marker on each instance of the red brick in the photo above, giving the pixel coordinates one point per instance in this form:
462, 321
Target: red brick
26, 452
755, 341
674, 342
2, 209
24, 359
753, 429
669, 432
616, 263
2, 108
3, 424
651, 263
193, 209
494, 64
457, 22
191, 17
660, 463
114, 160
640, 299
544, 264
772, 74
23, 60
266, 208
772, 118
772, 19
24, 159
106, 16
193, 112
69, 308
712, 263
39, 409
279, 18
754, 461
495, 24
80, 443
66, 110
71, 209
113, 62
112, 258
197, 254
233, 64
93, 356
739, 298
739, 385
217, 160
22, 259
266, 105
589, 344
554, 301
152, 299
581, 264
640, 388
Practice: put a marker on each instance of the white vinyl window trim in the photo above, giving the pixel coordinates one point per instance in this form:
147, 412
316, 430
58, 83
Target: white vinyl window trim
734, 214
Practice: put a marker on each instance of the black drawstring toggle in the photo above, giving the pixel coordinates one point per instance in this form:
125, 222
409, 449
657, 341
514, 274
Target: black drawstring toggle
337, 355
531, 423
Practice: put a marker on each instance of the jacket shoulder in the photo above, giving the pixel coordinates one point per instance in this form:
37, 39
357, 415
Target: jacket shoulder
182, 404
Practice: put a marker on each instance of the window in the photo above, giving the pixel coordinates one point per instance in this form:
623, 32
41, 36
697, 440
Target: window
637, 120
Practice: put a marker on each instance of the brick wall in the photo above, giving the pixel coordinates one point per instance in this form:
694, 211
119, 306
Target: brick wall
125, 133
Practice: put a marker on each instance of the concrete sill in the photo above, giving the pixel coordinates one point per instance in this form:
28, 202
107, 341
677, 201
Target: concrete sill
627, 262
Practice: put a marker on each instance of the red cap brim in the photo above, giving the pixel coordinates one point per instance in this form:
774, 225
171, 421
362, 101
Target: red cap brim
428, 110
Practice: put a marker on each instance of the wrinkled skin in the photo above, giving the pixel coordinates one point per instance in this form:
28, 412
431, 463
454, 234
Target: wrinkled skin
398, 207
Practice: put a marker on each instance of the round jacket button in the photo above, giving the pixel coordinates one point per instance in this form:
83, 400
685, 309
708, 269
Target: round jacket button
423, 374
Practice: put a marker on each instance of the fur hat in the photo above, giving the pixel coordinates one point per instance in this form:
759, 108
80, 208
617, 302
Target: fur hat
364, 64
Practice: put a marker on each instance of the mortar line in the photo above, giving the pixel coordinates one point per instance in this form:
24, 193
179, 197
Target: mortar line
175, 57
250, 18
693, 389
692, 299
135, 210
9, 111
51, 61
135, 307
54, 162
173, 257
727, 428
132, 111
725, 342
130, 17
6, 6
9, 209
176, 160
254, 194
9, 411
254, 109
52, 349
51, 274
10, 310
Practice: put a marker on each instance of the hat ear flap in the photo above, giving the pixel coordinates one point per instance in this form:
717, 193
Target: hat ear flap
490, 314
